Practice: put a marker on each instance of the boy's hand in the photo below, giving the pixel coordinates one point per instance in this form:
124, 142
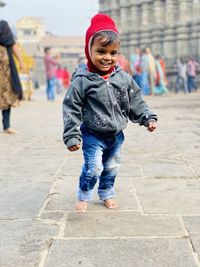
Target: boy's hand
152, 126
74, 148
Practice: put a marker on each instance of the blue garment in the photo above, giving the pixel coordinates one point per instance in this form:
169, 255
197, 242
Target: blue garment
51, 84
181, 81
191, 83
144, 83
160, 88
102, 160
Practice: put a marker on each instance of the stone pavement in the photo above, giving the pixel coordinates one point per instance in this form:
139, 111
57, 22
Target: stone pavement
158, 189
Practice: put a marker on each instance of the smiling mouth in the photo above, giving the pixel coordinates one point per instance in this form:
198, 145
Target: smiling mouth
105, 64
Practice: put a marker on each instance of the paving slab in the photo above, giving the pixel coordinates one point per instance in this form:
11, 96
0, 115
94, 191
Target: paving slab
22, 242
117, 223
120, 253
171, 196
22, 200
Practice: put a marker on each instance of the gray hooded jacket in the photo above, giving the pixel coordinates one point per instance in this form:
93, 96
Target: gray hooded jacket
104, 106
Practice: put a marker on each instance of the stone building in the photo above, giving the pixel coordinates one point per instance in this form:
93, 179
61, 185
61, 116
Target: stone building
30, 30
70, 48
32, 36
170, 28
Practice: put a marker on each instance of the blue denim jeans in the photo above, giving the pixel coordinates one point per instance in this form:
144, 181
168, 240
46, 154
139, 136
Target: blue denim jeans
51, 84
191, 83
101, 162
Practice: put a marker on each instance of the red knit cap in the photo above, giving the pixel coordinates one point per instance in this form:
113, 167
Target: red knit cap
99, 23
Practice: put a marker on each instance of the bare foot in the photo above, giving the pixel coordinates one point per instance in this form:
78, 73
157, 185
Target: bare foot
10, 131
110, 203
81, 206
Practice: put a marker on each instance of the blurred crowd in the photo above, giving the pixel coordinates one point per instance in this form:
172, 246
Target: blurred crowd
149, 72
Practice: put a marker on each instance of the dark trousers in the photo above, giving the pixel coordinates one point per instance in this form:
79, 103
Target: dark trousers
191, 83
6, 118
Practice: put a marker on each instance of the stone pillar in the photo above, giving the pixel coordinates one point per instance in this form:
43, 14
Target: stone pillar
103, 6
115, 12
146, 14
157, 29
170, 12
195, 10
183, 31
123, 26
194, 29
183, 40
123, 16
169, 39
184, 11
133, 29
145, 28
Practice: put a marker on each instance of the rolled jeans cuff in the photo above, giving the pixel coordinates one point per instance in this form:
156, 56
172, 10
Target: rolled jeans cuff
106, 193
84, 195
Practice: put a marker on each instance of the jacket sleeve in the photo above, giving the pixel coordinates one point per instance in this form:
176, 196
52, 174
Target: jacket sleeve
139, 111
72, 115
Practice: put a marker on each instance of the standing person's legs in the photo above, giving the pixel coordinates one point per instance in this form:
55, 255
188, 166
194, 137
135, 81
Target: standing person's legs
189, 83
92, 150
48, 89
6, 121
151, 82
185, 85
144, 83
111, 163
194, 83
177, 84
6, 118
52, 85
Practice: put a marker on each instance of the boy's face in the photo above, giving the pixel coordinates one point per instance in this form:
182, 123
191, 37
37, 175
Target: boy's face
104, 57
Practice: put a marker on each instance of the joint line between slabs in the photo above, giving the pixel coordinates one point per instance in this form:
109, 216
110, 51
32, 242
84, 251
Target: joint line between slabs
51, 191
118, 237
141, 210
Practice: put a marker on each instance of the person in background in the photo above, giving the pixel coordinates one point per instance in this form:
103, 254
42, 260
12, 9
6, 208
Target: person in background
144, 76
59, 79
151, 70
66, 78
160, 87
124, 63
192, 67
101, 99
163, 66
181, 79
50, 67
10, 86
135, 64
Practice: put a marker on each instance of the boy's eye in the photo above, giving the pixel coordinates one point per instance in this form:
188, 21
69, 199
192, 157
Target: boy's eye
114, 53
101, 51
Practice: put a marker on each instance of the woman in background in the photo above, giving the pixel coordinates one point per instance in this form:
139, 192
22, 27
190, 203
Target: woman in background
10, 87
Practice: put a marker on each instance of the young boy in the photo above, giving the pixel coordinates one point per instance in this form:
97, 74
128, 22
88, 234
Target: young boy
101, 99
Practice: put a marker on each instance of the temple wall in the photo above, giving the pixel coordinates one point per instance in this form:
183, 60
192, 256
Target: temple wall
169, 27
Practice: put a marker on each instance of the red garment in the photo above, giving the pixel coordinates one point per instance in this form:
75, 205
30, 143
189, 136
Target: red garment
66, 78
99, 23
59, 73
162, 64
124, 64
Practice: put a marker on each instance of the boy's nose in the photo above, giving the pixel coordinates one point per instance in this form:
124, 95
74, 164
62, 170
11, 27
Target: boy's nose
107, 57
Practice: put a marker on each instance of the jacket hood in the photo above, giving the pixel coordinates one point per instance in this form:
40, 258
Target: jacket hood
100, 22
